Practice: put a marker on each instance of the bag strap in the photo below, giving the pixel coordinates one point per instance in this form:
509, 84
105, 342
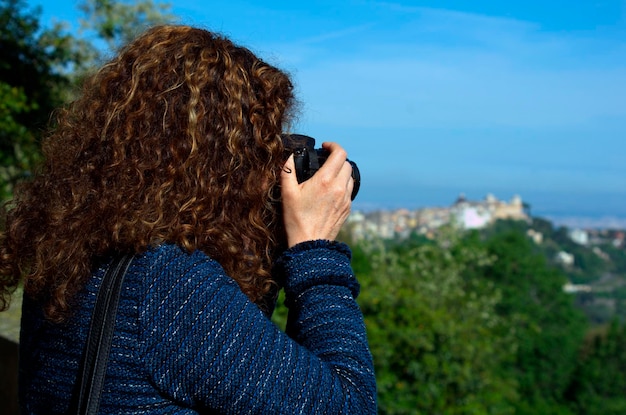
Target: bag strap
93, 369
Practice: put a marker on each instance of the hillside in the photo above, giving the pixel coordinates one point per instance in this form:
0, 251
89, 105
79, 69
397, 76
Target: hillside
594, 260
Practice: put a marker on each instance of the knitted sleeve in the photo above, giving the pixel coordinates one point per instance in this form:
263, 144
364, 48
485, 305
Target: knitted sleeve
207, 346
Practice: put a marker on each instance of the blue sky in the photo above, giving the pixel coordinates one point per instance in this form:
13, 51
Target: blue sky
437, 98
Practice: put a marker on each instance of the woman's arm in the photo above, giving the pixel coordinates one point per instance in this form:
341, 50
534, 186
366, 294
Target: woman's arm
207, 345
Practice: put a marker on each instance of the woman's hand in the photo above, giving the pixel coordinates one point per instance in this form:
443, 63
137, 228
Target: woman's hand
318, 207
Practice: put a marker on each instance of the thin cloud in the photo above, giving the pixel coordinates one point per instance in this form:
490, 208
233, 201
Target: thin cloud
334, 35
516, 76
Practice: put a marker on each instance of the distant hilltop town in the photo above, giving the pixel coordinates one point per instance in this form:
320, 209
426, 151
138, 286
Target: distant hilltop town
465, 213
401, 223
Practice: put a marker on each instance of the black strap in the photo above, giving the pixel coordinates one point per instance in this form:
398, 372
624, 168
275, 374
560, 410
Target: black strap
91, 373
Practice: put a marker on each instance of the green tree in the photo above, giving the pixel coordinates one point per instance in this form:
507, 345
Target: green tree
599, 384
115, 23
549, 328
39, 69
438, 345
30, 87
13, 136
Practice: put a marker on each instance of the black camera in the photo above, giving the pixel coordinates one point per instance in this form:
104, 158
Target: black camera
308, 159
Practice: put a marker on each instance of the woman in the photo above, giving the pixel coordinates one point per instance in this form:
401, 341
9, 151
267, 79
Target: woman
173, 153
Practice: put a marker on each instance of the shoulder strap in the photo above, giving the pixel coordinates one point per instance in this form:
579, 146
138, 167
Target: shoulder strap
92, 372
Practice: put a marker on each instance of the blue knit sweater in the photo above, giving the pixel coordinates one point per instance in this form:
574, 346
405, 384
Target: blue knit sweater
188, 340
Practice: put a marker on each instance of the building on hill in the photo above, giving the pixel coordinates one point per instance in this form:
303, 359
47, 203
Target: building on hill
580, 236
471, 214
479, 214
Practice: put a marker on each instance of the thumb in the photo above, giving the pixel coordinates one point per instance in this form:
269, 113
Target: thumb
288, 179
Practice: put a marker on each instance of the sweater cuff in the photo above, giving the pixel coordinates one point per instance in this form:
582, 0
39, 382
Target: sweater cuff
319, 262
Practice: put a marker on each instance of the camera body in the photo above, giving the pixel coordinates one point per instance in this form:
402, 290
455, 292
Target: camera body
308, 159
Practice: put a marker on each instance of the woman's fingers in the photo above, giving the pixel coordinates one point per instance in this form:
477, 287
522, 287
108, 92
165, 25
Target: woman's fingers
318, 207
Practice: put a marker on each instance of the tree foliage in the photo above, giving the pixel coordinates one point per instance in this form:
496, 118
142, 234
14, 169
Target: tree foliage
30, 87
438, 345
39, 68
599, 385
549, 328
113, 24
117, 23
479, 323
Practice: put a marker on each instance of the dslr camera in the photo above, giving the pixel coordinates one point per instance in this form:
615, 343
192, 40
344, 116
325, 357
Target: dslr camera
309, 159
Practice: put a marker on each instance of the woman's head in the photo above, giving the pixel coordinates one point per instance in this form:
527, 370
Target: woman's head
177, 139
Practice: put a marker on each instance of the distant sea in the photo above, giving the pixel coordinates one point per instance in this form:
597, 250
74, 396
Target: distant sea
585, 210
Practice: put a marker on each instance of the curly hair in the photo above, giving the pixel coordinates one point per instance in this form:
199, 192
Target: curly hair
175, 140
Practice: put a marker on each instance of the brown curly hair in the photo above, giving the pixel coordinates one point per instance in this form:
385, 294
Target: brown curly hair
177, 139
